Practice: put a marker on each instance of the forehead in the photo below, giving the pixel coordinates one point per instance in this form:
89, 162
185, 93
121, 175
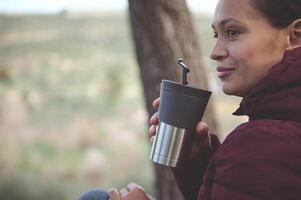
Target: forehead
241, 10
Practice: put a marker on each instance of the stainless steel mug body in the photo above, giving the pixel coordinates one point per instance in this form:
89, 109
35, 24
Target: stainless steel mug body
172, 145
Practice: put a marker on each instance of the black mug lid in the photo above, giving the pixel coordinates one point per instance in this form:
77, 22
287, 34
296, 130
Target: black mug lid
181, 105
184, 89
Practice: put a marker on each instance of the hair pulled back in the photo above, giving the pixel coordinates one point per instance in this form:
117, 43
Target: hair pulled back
280, 13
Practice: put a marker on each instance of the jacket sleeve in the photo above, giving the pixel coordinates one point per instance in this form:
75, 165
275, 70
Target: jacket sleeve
189, 176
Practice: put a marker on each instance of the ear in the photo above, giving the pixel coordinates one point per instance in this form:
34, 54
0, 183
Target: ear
295, 33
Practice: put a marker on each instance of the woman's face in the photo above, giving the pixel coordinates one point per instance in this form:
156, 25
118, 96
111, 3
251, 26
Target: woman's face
246, 47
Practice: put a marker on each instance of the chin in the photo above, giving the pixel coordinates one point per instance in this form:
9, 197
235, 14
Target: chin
232, 91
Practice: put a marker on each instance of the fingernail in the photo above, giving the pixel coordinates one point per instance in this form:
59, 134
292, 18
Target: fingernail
152, 139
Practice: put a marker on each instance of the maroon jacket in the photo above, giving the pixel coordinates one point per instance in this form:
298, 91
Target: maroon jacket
260, 159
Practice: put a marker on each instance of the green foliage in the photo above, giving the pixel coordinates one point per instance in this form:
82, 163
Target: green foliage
21, 187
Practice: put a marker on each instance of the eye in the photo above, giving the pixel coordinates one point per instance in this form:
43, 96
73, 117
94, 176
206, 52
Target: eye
231, 33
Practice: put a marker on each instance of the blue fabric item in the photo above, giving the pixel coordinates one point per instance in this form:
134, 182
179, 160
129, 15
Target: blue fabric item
94, 194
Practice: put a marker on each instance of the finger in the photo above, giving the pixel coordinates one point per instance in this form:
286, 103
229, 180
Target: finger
133, 186
154, 120
123, 192
156, 103
202, 128
152, 130
114, 194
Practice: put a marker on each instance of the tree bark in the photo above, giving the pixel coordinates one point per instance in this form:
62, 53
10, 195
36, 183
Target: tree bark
163, 32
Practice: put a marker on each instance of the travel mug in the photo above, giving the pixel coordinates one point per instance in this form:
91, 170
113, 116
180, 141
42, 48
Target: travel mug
181, 108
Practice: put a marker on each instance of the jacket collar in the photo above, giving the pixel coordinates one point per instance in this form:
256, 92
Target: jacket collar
278, 95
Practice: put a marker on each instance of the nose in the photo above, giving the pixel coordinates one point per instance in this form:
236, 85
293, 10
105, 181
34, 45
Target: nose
218, 53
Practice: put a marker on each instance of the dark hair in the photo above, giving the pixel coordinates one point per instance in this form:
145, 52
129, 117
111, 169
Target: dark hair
280, 13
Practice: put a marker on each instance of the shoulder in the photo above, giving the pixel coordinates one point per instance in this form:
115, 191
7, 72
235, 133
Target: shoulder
265, 131
260, 153
261, 143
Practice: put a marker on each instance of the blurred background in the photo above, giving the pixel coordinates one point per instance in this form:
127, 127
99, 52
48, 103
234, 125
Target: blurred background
72, 113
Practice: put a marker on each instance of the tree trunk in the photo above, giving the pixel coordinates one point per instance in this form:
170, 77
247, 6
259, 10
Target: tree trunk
163, 32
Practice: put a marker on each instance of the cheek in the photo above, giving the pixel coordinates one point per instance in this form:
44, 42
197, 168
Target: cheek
252, 57
255, 58
247, 59
243, 58
263, 53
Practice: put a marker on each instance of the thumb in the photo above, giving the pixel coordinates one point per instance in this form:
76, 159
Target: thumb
114, 194
202, 128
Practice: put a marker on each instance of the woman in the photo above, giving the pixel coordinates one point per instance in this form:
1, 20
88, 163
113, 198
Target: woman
258, 56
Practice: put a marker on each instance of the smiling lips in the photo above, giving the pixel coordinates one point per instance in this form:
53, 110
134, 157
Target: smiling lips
222, 72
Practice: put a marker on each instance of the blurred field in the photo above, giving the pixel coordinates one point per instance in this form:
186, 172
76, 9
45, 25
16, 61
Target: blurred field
71, 106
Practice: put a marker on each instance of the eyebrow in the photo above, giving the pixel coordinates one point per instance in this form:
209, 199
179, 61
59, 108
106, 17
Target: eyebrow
224, 21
